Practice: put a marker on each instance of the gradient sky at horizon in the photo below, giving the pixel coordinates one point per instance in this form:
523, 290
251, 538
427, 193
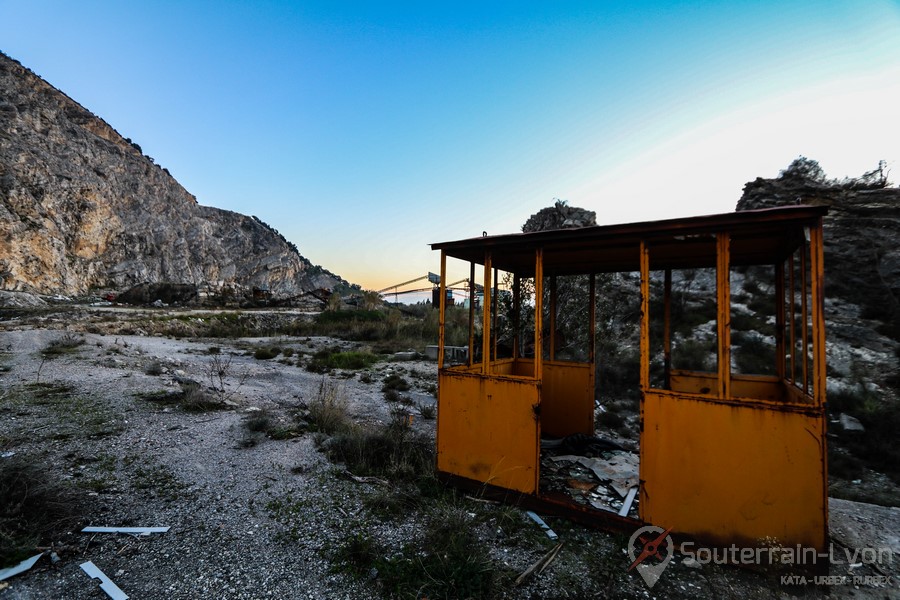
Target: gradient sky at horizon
363, 131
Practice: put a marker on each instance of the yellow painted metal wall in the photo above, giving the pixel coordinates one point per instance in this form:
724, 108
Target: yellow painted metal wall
487, 430
733, 473
567, 399
759, 387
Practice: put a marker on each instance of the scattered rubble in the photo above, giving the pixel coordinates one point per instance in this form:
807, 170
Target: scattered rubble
605, 482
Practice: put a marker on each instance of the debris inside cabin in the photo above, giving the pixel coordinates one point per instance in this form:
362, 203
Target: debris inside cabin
603, 482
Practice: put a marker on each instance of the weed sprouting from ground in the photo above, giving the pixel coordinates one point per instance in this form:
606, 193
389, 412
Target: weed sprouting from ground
218, 370
259, 422
32, 507
67, 344
328, 410
194, 398
427, 411
447, 562
263, 422
332, 358
266, 353
395, 382
394, 451
156, 480
155, 368
65, 413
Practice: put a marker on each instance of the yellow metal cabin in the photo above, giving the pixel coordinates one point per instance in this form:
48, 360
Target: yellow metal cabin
725, 456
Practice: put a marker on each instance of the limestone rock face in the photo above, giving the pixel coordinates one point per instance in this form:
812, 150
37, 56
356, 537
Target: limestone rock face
862, 269
862, 237
81, 207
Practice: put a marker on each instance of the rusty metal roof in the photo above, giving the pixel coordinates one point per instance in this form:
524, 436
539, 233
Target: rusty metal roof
758, 237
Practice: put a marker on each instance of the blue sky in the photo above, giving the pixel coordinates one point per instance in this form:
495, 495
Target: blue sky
364, 131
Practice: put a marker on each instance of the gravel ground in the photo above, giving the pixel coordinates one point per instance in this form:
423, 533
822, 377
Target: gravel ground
253, 517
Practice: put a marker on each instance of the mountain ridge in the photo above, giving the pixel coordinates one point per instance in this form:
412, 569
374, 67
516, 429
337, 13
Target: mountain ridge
82, 208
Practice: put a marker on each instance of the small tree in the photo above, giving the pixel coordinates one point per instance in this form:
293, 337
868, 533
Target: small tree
804, 170
333, 304
371, 300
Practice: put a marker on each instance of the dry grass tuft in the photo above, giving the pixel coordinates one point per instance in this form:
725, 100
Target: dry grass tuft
32, 508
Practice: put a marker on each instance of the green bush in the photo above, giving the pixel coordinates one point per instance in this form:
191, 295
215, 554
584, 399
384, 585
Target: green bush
154, 368
448, 562
693, 355
393, 451
328, 359
395, 382
752, 355
194, 398
266, 353
67, 344
427, 411
350, 316
878, 445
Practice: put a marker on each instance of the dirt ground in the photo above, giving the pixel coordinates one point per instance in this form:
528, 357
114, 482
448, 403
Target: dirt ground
252, 516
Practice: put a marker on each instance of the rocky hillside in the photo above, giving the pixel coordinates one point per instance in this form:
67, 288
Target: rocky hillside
559, 216
862, 265
83, 208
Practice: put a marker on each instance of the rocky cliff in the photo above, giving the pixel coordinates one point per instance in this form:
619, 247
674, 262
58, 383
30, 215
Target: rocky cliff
81, 207
862, 264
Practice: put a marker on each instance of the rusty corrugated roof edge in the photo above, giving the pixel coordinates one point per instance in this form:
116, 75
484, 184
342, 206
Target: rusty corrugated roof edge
697, 224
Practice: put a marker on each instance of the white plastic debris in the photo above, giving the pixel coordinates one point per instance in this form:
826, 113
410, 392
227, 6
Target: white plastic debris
106, 584
19, 568
534, 517
129, 530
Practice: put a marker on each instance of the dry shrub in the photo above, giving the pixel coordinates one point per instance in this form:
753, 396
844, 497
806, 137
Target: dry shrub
33, 507
196, 399
394, 451
328, 410
67, 344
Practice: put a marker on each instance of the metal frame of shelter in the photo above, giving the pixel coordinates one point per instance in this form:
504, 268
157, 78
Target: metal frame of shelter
725, 457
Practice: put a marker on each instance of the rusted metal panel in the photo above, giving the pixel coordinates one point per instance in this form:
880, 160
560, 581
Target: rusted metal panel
553, 293
471, 313
645, 317
538, 311
818, 312
443, 311
817, 268
567, 398
723, 312
792, 294
779, 320
488, 431
762, 387
733, 473
486, 318
513, 367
